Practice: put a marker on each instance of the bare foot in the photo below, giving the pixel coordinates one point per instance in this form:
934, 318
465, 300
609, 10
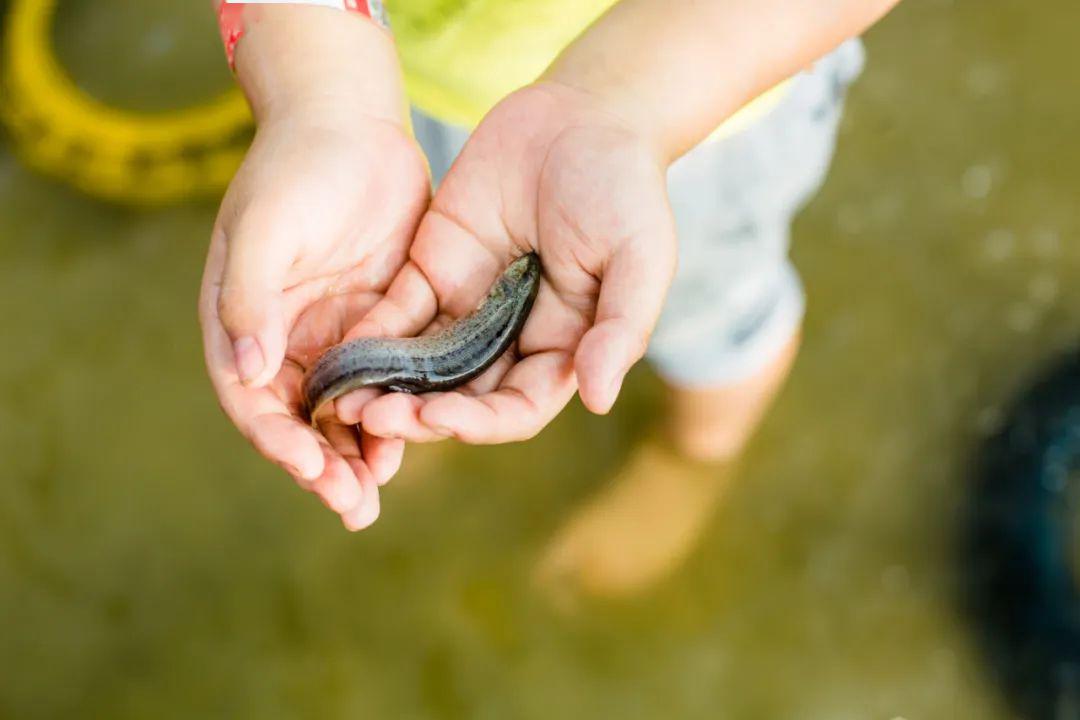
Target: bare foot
635, 531
643, 525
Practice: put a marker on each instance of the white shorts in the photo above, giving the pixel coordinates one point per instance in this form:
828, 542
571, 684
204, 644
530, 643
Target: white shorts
736, 300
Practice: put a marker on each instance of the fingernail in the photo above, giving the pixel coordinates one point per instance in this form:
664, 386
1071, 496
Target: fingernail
304, 482
360, 518
311, 472
346, 498
614, 387
249, 359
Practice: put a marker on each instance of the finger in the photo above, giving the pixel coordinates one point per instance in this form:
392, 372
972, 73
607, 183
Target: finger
250, 301
632, 292
397, 415
349, 407
284, 439
530, 396
338, 487
408, 306
289, 443
382, 455
457, 254
367, 512
461, 253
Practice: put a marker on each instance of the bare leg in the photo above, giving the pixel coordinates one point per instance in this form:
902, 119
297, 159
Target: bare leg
643, 525
714, 424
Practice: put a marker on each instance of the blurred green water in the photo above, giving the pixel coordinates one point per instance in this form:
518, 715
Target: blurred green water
152, 566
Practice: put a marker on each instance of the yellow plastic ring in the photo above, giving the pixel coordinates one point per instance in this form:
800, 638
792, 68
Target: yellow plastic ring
108, 152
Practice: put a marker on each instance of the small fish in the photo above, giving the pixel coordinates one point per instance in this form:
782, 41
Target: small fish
440, 361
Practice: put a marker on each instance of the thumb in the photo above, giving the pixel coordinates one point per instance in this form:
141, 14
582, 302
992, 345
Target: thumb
632, 293
250, 306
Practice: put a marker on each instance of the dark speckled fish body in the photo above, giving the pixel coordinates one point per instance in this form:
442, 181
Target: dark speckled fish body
440, 361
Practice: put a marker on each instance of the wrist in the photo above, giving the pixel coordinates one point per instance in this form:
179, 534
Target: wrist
316, 62
607, 106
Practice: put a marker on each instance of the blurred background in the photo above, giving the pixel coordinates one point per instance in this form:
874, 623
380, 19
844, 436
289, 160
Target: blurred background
152, 566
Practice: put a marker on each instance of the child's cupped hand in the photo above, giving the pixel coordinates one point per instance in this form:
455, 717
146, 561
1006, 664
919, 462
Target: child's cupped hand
547, 170
310, 234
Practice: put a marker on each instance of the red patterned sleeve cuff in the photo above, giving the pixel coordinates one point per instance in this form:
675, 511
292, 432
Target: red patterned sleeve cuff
231, 16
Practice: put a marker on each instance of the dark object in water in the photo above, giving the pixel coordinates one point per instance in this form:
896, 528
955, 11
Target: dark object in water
1018, 554
441, 361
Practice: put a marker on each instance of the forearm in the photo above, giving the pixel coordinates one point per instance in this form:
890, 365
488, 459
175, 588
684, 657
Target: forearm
677, 70
318, 62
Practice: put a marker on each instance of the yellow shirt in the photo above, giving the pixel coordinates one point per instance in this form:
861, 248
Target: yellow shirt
460, 57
